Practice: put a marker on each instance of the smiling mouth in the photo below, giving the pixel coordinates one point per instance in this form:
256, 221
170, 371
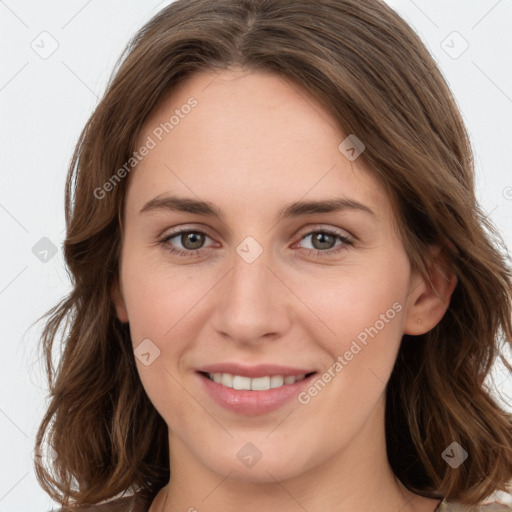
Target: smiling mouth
242, 383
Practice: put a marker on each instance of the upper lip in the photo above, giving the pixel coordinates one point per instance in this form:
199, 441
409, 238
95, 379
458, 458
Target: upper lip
259, 370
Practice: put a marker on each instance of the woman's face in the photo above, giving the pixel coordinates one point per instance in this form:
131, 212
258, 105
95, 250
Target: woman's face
261, 276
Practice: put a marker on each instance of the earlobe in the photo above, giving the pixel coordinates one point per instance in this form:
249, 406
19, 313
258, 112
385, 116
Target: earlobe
118, 300
430, 296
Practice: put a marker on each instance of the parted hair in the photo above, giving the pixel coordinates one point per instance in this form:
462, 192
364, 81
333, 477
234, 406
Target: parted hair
374, 75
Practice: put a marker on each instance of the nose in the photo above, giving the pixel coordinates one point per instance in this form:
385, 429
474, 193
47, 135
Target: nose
252, 302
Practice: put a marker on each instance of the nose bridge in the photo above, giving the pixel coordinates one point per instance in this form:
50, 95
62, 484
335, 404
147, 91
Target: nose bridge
250, 304
249, 279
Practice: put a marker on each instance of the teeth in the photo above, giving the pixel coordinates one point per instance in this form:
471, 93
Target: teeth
276, 381
258, 384
241, 382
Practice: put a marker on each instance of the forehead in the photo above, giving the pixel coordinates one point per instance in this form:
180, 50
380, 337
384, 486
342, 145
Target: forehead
253, 139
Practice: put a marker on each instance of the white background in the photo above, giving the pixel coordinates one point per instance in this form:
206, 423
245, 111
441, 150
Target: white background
45, 103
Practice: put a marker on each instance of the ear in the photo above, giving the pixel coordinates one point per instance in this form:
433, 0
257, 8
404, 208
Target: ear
429, 297
118, 300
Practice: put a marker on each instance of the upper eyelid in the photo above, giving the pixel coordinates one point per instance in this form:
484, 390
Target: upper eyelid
306, 230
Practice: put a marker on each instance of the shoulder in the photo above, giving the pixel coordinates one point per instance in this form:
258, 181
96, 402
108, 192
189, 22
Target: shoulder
125, 504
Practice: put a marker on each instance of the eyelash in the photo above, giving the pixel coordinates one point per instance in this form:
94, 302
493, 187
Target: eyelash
346, 243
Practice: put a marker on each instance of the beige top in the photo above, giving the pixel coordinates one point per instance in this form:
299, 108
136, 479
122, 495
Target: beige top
125, 504
135, 504
495, 506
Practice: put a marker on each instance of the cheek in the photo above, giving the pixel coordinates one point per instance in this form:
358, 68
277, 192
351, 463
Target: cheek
160, 302
355, 302
159, 310
362, 315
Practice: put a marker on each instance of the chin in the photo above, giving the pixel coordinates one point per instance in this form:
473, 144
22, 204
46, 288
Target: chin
266, 464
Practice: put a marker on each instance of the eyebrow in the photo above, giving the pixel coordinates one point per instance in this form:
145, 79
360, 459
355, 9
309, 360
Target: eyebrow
296, 209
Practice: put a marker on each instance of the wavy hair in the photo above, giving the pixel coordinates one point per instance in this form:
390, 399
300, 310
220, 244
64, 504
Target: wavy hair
374, 75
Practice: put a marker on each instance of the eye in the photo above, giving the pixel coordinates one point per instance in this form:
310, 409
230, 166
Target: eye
191, 242
324, 242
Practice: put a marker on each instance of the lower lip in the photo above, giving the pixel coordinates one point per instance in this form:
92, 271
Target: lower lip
253, 402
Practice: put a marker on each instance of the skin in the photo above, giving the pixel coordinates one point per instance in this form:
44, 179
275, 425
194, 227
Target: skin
253, 144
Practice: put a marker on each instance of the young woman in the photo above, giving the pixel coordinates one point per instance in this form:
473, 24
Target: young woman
286, 296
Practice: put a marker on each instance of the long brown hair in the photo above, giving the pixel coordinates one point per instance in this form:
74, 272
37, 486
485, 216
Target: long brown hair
374, 75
